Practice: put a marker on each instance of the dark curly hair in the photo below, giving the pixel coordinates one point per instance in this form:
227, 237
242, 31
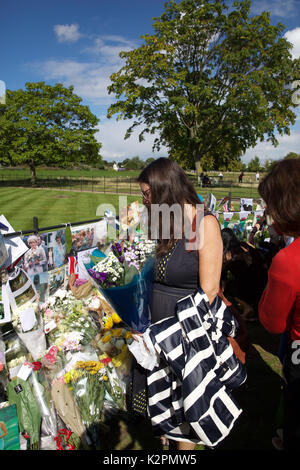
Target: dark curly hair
280, 189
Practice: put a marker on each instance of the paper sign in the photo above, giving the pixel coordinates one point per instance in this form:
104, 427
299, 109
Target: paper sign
5, 312
49, 326
25, 371
228, 216
243, 215
246, 204
27, 319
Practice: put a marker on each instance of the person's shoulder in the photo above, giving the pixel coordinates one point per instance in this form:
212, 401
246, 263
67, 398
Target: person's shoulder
287, 261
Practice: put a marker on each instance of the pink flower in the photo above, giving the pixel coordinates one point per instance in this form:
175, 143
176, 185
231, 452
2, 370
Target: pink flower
1, 366
49, 312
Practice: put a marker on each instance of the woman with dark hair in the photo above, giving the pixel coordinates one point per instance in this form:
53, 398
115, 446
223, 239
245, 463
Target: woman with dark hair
244, 273
279, 307
183, 263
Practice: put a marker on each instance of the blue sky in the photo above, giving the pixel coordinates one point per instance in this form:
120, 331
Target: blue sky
77, 42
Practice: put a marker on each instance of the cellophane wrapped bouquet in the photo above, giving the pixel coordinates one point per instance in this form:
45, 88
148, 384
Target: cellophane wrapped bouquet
125, 278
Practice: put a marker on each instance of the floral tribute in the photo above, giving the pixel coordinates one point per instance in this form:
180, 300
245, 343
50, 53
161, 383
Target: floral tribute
75, 369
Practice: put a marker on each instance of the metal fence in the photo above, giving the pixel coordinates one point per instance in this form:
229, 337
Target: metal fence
126, 185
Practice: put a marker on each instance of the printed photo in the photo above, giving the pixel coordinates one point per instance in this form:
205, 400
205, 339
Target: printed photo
26, 296
19, 281
89, 236
57, 279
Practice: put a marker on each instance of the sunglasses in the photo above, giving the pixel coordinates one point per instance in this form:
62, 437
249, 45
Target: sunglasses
146, 195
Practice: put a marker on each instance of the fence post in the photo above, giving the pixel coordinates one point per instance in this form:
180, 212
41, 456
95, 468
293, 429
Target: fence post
35, 225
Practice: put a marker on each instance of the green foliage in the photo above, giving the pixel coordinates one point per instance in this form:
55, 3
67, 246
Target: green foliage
134, 163
254, 165
206, 80
292, 155
47, 125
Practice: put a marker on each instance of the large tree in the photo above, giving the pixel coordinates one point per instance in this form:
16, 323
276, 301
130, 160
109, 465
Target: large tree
46, 125
208, 78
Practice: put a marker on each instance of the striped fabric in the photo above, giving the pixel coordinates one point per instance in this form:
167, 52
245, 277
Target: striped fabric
189, 393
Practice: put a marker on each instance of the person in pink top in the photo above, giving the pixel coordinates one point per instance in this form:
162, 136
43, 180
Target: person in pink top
279, 306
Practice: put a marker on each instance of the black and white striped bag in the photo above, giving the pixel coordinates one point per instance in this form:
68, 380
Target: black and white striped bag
189, 393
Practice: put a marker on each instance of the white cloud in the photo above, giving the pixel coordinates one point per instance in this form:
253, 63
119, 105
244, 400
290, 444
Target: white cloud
90, 79
293, 36
67, 32
265, 150
114, 147
278, 8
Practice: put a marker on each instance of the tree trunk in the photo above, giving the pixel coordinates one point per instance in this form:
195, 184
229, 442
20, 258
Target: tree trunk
33, 174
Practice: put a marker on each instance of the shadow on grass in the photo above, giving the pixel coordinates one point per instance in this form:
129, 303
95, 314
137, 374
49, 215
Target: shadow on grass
127, 432
259, 397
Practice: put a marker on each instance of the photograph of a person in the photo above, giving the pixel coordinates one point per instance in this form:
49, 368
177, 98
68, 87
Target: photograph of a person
56, 279
40, 282
59, 251
83, 237
35, 258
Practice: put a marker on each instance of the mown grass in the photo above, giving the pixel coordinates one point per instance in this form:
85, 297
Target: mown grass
52, 207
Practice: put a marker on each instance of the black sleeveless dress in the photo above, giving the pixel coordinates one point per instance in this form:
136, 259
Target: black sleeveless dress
176, 275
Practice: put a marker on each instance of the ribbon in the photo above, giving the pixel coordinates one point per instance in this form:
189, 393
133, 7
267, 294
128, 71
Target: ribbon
59, 438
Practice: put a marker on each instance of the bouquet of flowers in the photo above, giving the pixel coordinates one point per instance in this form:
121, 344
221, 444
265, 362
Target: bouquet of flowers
71, 326
28, 325
40, 389
125, 277
90, 382
20, 393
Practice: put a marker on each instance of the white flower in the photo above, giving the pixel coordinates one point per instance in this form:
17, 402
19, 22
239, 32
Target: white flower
95, 304
60, 293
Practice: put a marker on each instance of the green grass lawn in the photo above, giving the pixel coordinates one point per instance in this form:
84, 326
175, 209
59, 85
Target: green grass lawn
51, 207
44, 172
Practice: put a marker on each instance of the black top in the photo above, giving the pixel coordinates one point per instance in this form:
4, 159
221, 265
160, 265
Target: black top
176, 276
178, 268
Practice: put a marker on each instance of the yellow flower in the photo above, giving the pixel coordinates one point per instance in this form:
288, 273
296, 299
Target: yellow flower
106, 338
105, 378
116, 318
116, 362
117, 331
103, 356
108, 323
128, 335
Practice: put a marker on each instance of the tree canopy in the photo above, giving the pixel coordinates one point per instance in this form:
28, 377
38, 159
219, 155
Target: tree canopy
46, 125
208, 78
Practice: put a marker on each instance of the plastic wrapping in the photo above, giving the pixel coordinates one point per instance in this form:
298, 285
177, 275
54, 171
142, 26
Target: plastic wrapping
49, 422
34, 339
132, 301
15, 353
